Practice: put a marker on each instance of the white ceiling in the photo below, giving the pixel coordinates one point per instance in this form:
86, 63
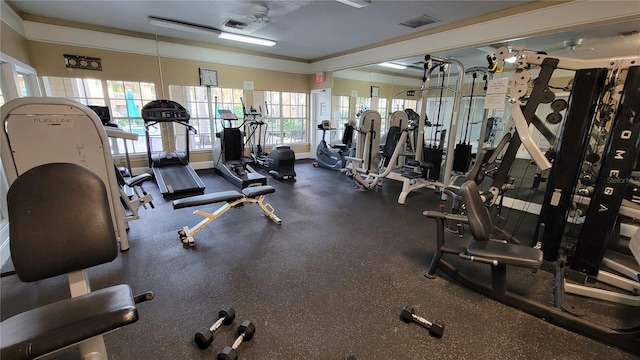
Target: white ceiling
303, 29
316, 29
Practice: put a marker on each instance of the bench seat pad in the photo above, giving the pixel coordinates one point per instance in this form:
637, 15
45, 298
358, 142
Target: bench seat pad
505, 253
205, 199
254, 191
54, 326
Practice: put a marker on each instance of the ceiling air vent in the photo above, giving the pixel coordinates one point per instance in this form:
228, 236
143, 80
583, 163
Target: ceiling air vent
235, 24
421, 20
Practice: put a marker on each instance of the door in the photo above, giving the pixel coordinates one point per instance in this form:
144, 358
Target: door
320, 110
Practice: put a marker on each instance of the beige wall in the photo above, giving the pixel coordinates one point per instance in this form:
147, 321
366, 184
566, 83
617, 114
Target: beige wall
49, 61
14, 44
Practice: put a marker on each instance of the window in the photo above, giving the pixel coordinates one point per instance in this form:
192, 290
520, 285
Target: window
84, 91
362, 104
382, 109
197, 101
125, 99
401, 104
287, 116
340, 107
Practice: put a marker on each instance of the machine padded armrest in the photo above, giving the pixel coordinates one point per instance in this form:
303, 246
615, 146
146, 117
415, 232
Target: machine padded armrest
137, 180
205, 199
435, 214
54, 326
506, 253
254, 191
444, 216
453, 191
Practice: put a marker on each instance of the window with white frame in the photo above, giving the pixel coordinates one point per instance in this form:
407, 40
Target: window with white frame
84, 91
124, 99
198, 100
287, 116
382, 109
362, 104
341, 116
402, 104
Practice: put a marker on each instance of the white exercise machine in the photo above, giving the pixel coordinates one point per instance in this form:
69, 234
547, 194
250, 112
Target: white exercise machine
39, 131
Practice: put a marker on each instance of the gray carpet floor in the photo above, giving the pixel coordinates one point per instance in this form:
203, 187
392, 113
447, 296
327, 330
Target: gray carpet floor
330, 281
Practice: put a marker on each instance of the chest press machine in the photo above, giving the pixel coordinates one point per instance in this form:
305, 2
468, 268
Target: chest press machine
233, 198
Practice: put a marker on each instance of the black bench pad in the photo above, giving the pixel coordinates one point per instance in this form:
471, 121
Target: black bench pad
505, 253
205, 199
254, 191
54, 326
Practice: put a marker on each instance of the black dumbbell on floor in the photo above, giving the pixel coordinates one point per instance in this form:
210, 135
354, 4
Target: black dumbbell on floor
204, 338
245, 332
435, 327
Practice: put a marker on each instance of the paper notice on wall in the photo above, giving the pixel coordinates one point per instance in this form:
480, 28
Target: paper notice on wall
496, 93
494, 101
497, 86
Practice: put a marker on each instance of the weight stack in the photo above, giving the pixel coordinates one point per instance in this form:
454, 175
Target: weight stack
433, 155
462, 157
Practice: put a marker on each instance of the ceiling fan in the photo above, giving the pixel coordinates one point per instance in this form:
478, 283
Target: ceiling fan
259, 14
572, 45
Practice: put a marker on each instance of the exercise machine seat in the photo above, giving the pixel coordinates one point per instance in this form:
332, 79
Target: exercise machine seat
506, 253
60, 222
51, 327
482, 227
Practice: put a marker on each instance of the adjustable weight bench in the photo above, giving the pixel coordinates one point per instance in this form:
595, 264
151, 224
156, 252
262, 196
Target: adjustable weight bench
233, 198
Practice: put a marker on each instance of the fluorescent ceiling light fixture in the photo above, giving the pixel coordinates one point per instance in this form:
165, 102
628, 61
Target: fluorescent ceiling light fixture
202, 29
182, 26
246, 39
393, 66
359, 4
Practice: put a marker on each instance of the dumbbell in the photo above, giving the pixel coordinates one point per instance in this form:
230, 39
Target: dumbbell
245, 332
435, 327
204, 338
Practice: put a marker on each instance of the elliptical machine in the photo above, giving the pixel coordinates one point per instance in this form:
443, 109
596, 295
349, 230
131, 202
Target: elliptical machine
332, 156
228, 149
280, 162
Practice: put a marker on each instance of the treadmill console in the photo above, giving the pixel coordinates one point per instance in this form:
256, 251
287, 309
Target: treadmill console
164, 111
227, 115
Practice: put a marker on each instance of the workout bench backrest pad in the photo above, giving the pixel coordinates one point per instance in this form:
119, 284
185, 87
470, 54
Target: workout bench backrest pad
369, 120
39, 131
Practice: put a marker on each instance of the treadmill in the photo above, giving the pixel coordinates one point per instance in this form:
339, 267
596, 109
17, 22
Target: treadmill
174, 175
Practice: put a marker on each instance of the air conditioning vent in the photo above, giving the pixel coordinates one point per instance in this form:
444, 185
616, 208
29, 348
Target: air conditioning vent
235, 24
419, 21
